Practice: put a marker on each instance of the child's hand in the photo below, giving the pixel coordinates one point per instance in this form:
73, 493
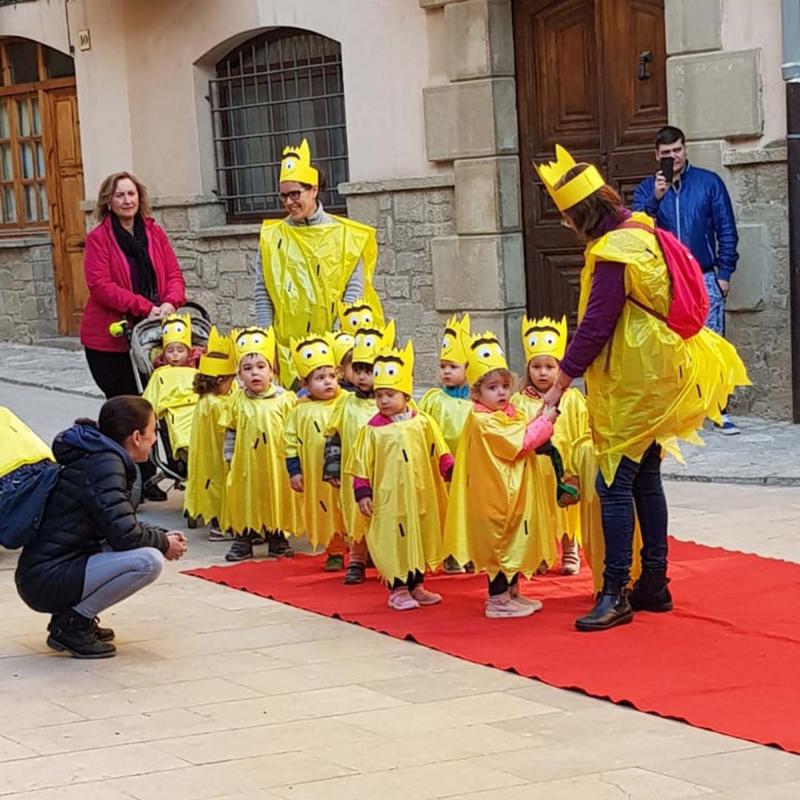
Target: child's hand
365, 506
296, 482
335, 482
550, 413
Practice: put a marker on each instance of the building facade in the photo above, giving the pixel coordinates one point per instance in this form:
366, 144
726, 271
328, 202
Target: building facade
425, 115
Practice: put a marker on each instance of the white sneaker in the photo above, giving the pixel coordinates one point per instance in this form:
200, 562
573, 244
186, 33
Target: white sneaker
502, 606
728, 427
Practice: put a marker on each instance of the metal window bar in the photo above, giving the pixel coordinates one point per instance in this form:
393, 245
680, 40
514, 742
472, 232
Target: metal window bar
259, 108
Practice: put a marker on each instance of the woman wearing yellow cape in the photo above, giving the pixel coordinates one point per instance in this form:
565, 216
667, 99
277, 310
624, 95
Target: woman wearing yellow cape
646, 386
310, 262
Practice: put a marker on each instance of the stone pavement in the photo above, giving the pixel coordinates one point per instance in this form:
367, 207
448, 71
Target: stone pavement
220, 694
766, 452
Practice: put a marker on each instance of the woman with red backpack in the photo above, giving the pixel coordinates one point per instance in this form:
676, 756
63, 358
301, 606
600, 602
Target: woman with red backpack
652, 371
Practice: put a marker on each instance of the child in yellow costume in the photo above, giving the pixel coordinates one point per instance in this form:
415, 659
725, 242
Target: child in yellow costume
450, 403
258, 500
494, 498
208, 472
544, 341
343, 357
349, 417
170, 389
317, 502
308, 267
399, 466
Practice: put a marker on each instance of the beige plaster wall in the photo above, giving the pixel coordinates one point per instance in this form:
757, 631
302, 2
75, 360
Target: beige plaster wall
42, 22
747, 24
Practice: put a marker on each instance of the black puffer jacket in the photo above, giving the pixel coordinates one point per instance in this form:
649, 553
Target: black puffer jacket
88, 508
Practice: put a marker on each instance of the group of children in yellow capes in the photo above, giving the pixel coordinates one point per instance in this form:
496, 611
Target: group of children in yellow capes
478, 475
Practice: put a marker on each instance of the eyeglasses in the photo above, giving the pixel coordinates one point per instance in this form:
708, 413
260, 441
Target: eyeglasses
294, 195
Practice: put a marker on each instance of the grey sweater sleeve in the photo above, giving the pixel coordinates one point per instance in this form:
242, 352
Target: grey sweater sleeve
355, 286
264, 308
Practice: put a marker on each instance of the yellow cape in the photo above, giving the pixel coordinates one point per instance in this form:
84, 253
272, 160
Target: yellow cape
648, 383
348, 418
317, 506
401, 462
257, 491
207, 470
494, 517
21, 445
170, 392
306, 270
448, 412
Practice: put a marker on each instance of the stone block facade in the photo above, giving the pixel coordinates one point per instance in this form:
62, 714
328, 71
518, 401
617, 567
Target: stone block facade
27, 290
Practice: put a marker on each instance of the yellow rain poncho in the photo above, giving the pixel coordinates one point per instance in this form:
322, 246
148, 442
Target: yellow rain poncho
207, 470
348, 418
648, 383
449, 413
257, 492
20, 446
401, 462
496, 516
170, 392
306, 269
317, 507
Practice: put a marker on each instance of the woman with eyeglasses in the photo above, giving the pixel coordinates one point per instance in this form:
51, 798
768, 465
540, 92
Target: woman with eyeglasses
310, 262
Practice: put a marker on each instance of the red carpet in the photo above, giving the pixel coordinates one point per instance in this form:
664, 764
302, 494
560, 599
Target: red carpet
727, 658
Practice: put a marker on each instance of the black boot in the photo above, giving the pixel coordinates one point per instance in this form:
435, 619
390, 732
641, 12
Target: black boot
77, 635
103, 634
612, 608
650, 592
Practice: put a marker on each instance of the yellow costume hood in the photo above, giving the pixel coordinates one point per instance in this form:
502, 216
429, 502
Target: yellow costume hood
312, 352
544, 337
296, 165
342, 344
371, 341
574, 190
355, 315
177, 329
219, 357
484, 354
453, 341
254, 340
394, 369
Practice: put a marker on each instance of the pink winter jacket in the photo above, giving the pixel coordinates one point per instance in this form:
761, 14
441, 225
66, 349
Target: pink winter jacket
108, 278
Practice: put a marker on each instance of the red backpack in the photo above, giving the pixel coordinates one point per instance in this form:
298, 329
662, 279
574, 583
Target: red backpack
688, 308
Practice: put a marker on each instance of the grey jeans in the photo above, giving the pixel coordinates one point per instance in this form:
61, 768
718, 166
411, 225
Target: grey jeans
110, 577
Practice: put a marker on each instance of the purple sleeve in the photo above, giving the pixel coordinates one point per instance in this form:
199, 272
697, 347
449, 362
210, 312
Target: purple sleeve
606, 301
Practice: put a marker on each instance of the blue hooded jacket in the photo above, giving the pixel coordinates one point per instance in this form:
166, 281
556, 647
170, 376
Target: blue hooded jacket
698, 211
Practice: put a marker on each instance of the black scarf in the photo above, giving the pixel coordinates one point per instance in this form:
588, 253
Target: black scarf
143, 276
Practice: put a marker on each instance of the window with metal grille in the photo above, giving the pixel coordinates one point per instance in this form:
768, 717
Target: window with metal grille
270, 92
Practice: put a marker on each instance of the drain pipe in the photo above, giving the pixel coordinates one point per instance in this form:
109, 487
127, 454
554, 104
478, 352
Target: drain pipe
790, 18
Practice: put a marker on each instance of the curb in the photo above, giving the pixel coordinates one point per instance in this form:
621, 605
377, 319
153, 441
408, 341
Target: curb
47, 387
768, 480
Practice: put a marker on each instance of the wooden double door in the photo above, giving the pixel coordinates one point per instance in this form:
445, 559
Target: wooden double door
591, 77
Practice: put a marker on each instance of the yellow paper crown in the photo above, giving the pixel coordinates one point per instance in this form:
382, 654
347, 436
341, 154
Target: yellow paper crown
311, 352
177, 329
248, 341
484, 353
218, 358
544, 337
355, 315
371, 341
394, 369
453, 340
342, 344
296, 165
573, 191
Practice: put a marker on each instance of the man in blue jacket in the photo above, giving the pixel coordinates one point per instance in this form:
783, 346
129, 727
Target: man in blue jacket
695, 206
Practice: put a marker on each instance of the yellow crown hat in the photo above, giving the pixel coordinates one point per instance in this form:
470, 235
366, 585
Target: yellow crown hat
371, 341
394, 369
573, 191
177, 329
219, 357
296, 165
484, 353
355, 315
453, 340
311, 352
249, 341
544, 337
342, 344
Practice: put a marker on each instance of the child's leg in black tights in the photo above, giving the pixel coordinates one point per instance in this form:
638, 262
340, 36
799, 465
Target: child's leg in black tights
501, 583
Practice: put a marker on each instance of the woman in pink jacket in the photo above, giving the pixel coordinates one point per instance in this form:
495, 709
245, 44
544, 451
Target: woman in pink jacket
131, 271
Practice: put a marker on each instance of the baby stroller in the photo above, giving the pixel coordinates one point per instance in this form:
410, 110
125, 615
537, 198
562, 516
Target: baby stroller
144, 347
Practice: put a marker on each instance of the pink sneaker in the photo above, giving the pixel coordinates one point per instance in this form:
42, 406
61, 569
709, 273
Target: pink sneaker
401, 600
570, 558
424, 597
526, 602
502, 606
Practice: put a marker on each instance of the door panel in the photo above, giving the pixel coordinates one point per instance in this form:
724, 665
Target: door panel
578, 85
65, 190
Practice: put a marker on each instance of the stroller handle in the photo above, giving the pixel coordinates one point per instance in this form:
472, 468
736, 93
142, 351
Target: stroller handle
197, 307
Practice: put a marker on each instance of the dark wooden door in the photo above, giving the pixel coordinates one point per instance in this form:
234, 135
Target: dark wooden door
583, 81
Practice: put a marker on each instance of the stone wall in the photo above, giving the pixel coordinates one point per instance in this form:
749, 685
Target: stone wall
27, 290
758, 320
